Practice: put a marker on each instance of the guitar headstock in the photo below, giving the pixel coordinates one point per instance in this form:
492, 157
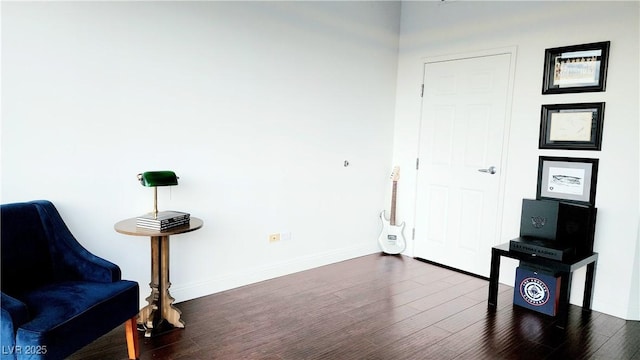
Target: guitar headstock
395, 174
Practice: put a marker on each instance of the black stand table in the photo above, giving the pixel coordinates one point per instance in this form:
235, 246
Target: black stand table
564, 268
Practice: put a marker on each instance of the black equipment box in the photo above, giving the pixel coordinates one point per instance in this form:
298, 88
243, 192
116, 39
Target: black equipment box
555, 230
543, 248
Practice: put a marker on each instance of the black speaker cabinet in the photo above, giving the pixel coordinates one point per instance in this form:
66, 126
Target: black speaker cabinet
569, 224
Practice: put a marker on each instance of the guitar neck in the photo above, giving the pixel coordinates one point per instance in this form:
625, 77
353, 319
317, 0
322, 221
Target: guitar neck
392, 216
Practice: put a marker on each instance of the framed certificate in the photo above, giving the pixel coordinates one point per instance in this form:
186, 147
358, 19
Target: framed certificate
577, 68
571, 126
567, 179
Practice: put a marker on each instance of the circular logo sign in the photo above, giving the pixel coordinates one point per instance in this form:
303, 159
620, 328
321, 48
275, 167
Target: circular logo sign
534, 291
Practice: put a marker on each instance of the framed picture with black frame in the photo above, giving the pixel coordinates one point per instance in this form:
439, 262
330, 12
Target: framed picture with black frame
577, 68
571, 126
567, 179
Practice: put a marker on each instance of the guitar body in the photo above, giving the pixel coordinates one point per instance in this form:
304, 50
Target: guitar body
391, 239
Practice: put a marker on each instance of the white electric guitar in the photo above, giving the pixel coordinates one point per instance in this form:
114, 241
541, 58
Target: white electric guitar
391, 238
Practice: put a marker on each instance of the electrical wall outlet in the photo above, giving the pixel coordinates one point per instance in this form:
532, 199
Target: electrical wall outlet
274, 238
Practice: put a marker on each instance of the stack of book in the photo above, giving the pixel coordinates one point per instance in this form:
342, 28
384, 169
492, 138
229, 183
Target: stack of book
165, 220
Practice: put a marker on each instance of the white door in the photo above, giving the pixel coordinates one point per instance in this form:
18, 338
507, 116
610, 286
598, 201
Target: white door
463, 122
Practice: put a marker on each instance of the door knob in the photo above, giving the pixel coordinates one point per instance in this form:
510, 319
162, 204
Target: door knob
491, 170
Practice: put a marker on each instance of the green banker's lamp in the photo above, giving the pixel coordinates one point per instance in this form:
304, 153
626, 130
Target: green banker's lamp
155, 179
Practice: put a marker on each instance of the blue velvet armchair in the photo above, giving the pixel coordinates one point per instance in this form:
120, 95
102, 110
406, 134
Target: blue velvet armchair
57, 297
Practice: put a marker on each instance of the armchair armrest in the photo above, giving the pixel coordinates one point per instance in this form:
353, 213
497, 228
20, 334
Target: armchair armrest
13, 314
71, 261
79, 264
15, 308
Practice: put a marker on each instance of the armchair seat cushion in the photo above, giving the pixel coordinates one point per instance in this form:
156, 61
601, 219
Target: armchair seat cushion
77, 310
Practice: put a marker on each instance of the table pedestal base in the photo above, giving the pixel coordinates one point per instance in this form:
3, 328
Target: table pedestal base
160, 315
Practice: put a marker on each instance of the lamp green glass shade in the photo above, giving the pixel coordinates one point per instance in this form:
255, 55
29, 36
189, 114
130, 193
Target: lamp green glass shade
158, 178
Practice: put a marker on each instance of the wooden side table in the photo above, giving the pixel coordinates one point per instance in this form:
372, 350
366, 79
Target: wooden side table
160, 313
564, 268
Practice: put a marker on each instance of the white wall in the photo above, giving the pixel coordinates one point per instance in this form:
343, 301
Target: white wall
431, 29
255, 105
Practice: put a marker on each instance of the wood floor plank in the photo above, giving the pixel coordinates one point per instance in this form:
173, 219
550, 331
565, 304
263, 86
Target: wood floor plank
374, 307
410, 346
624, 344
449, 293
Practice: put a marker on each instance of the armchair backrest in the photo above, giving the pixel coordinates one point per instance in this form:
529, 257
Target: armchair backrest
25, 256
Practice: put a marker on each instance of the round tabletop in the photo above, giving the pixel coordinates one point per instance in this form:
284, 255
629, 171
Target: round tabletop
129, 227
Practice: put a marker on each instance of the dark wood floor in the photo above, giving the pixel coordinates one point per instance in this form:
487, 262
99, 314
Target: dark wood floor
375, 307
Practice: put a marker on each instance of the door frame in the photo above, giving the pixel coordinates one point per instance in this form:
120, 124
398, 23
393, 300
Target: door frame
511, 50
